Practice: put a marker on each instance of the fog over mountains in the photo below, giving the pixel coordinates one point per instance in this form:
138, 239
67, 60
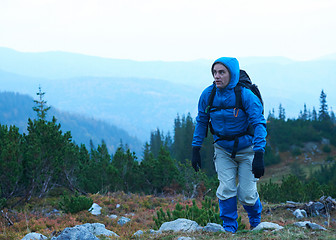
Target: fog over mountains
142, 96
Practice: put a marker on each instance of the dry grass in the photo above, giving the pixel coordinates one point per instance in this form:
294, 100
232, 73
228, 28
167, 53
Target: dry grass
38, 217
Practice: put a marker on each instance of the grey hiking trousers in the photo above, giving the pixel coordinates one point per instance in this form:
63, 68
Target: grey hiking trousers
228, 170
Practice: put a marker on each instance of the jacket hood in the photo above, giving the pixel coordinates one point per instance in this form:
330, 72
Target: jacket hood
232, 65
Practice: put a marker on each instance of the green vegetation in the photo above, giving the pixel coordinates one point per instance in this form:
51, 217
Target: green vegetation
44, 161
208, 213
75, 204
34, 163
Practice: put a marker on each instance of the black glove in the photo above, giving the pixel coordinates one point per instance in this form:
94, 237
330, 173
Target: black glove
196, 158
258, 168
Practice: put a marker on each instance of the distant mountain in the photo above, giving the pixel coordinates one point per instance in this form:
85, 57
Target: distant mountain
142, 96
138, 106
15, 109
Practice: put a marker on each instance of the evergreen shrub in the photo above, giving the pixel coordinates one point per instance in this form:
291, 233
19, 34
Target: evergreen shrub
209, 213
326, 148
296, 151
74, 204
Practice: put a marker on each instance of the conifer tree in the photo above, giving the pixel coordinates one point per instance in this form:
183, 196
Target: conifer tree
11, 154
156, 142
323, 112
332, 116
282, 114
314, 115
41, 109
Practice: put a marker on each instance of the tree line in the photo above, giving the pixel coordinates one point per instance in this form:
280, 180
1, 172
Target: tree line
45, 159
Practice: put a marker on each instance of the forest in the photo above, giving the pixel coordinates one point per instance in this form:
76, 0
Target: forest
45, 160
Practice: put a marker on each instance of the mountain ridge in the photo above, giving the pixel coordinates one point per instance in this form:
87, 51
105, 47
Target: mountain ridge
142, 96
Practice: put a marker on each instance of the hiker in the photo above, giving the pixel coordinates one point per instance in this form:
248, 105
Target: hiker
237, 151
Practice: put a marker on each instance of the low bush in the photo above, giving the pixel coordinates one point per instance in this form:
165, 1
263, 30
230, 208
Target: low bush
209, 213
74, 204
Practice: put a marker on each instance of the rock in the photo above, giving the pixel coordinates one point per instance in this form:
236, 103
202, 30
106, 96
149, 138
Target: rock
314, 226
300, 213
123, 220
153, 232
113, 216
87, 231
301, 224
34, 236
98, 229
315, 208
95, 209
213, 227
318, 206
325, 141
267, 225
309, 225
292, 203
331, 200
118, 205
74, 234
180, 224
138, 233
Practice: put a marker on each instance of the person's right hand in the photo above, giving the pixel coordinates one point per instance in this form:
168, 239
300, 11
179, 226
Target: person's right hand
258, 168
196, 158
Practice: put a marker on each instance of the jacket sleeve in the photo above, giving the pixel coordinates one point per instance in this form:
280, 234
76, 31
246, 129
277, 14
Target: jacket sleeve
254, 110
201, 122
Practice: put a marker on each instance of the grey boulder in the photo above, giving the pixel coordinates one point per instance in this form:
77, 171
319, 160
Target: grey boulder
180, 225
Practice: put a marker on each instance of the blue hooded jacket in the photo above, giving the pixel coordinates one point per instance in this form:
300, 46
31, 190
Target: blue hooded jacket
226, 122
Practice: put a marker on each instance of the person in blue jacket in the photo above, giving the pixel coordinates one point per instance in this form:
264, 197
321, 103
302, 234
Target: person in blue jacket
247, 161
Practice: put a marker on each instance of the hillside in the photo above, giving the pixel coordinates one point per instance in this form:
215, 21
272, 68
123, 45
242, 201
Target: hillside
43, 217
142, 96
15, 109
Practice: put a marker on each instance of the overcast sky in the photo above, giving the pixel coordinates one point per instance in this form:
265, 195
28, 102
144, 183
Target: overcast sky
171, 30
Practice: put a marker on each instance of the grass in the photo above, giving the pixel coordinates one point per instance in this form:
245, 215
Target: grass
38, 217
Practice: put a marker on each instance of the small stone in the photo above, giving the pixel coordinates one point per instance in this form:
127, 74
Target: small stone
213, 227
113, 216
301, 224
34, 236
123, 220
298, 213
95, 209
138, 233
315, 226
180, 224
267, 225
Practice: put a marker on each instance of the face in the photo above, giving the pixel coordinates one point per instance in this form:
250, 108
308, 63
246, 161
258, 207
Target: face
221, 75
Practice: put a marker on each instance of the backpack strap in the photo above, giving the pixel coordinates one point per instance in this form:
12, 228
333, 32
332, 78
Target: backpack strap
238, 93
209, 106
211, 98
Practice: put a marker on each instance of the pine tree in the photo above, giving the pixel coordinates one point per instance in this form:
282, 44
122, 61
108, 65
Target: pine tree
304, 114
332, 116
282, 114
323, 113
314, 115
41, 109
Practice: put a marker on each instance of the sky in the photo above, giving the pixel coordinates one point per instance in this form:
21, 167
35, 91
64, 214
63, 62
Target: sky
174, 30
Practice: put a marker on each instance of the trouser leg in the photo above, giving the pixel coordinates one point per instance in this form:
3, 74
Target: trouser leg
228, 213
247, 187
227, 190
254, 213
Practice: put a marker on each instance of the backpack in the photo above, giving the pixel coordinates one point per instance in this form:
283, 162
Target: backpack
244, 81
